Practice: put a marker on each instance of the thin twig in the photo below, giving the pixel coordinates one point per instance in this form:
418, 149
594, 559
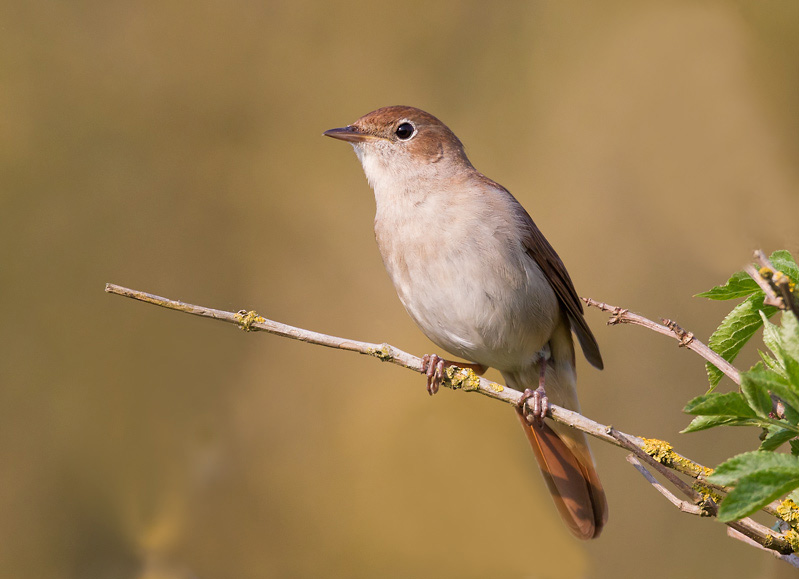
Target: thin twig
671, 329
684, 506
455, 378
790, 559
771, 299
630, 445
755, 531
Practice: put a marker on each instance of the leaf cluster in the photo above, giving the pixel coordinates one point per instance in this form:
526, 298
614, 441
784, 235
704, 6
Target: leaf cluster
768, 397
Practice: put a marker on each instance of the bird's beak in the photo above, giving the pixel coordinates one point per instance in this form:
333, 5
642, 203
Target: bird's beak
350, 133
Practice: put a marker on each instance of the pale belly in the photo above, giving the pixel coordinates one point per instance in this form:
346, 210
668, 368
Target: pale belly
490, 304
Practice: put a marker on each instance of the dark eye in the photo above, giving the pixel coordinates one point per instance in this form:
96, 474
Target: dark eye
405, 131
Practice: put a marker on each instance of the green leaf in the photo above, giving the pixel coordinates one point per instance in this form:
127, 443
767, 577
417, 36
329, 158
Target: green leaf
750, 463
772, 364
717, 404
792, 373
776, 384
789, 334
783, 261
739, 285
736, 329
704, 422
771, 336
782, 341
794, 447
756, 394
753, 492
776, 438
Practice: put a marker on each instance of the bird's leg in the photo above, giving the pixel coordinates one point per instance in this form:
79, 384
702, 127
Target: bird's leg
535, 411
433, 366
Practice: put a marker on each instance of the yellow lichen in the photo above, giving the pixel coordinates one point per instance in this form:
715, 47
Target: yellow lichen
247, 319
663, 452
707, 492
793, 539
660, 450
463, 378
383, 353
496, 387
788, 511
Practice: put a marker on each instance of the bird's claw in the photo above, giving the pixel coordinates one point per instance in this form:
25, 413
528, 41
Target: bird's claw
535, 406
433, 367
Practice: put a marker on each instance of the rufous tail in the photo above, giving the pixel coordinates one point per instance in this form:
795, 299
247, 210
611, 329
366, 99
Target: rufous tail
569, 472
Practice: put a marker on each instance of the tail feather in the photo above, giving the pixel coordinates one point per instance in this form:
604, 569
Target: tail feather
571, 478
562, 452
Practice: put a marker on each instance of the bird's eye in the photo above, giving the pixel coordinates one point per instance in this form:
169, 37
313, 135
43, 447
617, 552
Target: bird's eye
405, 131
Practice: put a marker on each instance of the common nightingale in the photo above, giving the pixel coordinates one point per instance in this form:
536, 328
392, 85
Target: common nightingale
482, 282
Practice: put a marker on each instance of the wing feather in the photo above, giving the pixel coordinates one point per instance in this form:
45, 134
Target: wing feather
540, 250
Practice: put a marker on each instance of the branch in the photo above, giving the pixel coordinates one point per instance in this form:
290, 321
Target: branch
700, 505
671, 329
630, 445
656, 453
687, 339
771, 298
790, 559
684, 506
455, 378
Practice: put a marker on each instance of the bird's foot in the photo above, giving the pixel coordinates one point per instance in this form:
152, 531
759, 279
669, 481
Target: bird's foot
433, 367
535, 406
535, 412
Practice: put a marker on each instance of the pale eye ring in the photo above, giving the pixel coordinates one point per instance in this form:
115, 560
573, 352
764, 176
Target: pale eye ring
405, 131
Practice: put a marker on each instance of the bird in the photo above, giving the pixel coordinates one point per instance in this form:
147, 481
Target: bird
482, 282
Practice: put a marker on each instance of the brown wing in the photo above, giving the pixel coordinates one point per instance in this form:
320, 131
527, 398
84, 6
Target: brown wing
544, 255
539, 249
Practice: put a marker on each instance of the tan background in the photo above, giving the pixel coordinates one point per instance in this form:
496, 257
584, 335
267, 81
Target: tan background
176, 147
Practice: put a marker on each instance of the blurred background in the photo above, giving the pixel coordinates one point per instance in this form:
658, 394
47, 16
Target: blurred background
175, 147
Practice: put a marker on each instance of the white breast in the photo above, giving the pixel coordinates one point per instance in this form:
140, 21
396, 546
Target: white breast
459, 268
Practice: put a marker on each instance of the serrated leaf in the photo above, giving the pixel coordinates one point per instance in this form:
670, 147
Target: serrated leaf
771, 336
789, 335
739, 285
755, 394
780, 386
750, 463
792, 373
783, 341
789, 401
783, 261
772, 364
735, 330
777, 385
791, 415
718, 404
704, 422
776, 438
753, 492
